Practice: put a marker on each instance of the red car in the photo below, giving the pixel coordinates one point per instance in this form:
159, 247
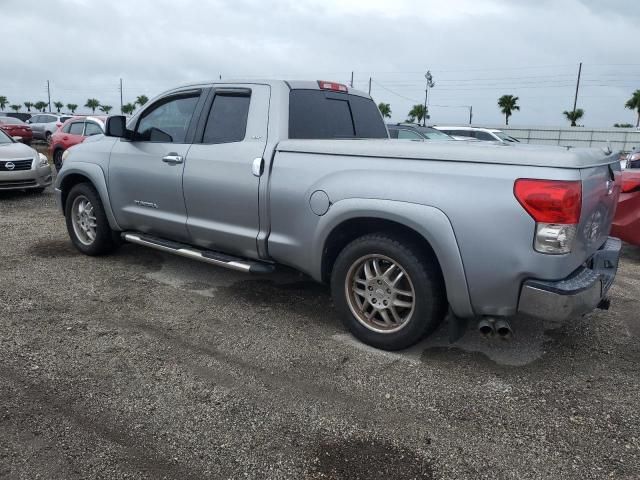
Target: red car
15, 127
626, 223
72, 132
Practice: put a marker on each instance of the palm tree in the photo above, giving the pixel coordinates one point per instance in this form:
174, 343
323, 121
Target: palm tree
419, 113
141, 100
28, 105
508, 104
385, 109
128, 108
72, 107
574, 115
3, 102
92, 103
15, 108
634, 104
41, 106
105, 108
58, 106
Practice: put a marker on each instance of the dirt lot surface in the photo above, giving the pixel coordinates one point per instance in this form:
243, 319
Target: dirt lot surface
142, 365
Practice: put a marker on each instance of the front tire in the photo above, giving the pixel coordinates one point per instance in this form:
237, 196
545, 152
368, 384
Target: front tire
87, 222
388, 291
57, 158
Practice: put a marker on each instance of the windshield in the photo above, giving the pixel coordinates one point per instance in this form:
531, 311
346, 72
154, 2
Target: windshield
433, 134
4, 138
11, 121
505, 137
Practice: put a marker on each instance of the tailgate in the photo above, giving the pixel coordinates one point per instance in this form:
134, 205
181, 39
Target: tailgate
600, 192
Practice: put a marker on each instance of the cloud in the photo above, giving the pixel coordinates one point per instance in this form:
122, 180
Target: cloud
477, 51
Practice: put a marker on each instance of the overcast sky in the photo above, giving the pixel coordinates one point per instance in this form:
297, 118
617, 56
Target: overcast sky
476, 50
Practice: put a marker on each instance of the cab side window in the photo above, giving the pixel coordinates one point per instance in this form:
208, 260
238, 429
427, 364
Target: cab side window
76, 128
227, 120
168, 120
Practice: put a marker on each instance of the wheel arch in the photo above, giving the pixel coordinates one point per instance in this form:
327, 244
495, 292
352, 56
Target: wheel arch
424, 226
85, 173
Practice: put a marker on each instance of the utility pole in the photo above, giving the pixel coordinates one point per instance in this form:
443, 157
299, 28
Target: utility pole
369, 85
430, 84
470, 114
121, 103
49, 94
575, 99
351, 84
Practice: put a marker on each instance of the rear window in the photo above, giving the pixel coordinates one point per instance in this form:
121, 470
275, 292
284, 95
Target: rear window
11, 120
319, 114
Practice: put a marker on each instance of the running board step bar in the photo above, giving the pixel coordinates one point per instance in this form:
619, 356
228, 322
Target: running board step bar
207, 256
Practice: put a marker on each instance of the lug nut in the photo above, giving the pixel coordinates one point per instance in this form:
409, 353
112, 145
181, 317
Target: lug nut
374, 300
386, 303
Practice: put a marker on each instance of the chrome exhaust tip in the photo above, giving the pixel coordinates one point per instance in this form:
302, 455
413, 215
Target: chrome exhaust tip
486, 327
503, 329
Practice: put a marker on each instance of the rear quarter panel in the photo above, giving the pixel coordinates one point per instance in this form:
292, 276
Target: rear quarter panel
492, 232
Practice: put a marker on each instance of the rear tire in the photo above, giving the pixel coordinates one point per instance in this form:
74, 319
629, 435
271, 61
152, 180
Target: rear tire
47, 137
87, 222
388, 291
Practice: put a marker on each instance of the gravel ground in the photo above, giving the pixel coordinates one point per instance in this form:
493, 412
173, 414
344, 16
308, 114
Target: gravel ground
143, 365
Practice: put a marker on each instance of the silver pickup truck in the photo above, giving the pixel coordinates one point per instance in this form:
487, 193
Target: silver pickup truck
248, 175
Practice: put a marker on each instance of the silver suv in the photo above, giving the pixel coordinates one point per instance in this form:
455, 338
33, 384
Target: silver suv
44, 125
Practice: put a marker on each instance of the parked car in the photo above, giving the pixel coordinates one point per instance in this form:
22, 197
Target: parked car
24, 116
44, 125
14, 127
21, 167
626, 223
72, 132
484, 134
633, 159
408, 131
247, 175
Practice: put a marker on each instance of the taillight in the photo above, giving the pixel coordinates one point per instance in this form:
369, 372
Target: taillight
630, 184
555, 205
336, 87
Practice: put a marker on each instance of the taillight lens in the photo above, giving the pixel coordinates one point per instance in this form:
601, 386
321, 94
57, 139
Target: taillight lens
630, 184
336, 87
555, 205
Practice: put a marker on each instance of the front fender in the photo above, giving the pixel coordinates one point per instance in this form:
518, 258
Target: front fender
94, 174
429, 222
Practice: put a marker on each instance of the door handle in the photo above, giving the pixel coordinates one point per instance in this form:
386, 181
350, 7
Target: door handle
172, 158
257, 166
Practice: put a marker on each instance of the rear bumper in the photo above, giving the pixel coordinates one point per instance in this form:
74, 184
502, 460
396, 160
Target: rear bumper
579, 293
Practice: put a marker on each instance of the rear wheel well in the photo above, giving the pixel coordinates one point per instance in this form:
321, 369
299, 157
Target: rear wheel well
69, 182
351, 229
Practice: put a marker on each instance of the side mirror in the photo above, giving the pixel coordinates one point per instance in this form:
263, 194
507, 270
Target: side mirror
17, 139
116, 126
